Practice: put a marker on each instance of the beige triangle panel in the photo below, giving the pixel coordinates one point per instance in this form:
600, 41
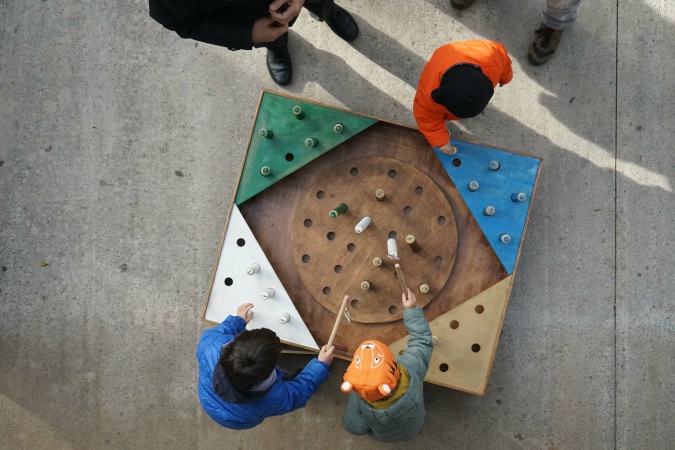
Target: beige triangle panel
465, 340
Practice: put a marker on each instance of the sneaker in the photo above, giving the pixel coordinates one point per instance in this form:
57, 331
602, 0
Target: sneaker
543, 46
279, 65
343, 24
461, 4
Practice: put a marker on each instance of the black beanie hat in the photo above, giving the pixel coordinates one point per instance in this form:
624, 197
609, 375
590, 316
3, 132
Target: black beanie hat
465, 91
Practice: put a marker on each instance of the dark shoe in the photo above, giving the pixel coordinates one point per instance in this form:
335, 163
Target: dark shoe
461, 4
543, 46
279, 65
343, 24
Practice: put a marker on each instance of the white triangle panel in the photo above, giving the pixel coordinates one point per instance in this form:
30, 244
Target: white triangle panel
240, 251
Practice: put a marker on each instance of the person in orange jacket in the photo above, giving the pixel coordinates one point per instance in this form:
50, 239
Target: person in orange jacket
457, 83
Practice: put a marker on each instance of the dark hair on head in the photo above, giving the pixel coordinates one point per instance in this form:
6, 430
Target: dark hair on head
250, 358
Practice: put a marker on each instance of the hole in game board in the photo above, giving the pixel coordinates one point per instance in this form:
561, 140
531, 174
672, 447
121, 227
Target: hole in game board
355, 303
320, 195
338, 269
351, 247
290, 157
419, 190
241, 242
479, 309
326, 291
438, 260
308, 223
441, 220
393, 309
443, 367
456, 162
330, 235
392, 235
454, 324
407, 210
392, 174
475, 348
228, 281
353, 171
305, 258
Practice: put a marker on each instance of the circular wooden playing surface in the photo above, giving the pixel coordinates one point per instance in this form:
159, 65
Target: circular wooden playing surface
333, 260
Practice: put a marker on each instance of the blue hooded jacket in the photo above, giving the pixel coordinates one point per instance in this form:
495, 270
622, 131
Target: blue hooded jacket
239, 410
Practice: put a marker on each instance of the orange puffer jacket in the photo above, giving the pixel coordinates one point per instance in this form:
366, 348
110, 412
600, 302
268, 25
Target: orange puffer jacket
493, 61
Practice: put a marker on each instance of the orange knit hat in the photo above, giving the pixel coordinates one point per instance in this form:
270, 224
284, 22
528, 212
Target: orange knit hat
373, 373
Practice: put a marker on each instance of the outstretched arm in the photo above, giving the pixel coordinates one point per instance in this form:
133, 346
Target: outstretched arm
304, 385
503, 58
420, 344
430, 123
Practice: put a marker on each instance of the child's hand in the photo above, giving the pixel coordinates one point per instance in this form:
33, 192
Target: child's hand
410, 302
447, 149
244, 311
326, 354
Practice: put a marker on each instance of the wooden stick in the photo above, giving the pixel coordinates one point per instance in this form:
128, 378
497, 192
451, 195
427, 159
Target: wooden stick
400, 278
298, 352
337, 321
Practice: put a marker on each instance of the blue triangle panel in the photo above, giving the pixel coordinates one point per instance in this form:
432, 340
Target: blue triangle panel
517, 173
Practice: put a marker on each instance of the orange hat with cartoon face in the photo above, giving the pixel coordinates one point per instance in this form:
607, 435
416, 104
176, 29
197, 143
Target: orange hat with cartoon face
373, 373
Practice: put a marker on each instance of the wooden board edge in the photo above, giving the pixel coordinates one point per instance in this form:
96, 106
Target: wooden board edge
527, 218
499, 332
483, 144
456, 388
212, 278
323, 105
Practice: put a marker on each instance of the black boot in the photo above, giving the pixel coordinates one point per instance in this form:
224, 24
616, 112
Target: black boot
279, 65
343, 24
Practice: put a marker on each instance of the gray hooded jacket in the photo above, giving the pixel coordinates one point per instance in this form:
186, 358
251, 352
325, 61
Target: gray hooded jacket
402, 420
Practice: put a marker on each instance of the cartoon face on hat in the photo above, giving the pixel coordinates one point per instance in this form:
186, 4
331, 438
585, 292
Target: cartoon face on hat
373, 373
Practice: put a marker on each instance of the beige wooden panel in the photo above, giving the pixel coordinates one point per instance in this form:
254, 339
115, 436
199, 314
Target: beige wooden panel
467, 339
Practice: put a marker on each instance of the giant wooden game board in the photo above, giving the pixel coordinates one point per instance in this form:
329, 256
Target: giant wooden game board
283, 252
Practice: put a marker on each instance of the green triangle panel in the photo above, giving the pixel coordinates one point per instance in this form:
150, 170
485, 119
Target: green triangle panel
286, 151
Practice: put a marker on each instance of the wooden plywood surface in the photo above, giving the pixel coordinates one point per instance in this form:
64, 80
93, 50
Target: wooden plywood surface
271, 216
332, 259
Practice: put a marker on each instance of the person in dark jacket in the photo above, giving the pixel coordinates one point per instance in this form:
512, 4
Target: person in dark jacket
386, 400
240, 384
244, 24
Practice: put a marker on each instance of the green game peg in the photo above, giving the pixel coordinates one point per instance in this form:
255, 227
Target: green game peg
311, 142
339, 209
267, 134
299, 113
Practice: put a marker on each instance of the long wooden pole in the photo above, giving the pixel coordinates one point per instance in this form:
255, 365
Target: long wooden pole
337, 321
404, 287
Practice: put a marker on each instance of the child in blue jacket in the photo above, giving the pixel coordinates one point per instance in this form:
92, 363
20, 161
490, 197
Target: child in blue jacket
240, 384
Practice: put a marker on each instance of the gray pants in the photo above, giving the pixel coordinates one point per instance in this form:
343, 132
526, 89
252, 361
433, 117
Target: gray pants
560, 14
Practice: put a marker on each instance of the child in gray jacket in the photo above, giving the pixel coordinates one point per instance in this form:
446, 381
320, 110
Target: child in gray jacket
386, 399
